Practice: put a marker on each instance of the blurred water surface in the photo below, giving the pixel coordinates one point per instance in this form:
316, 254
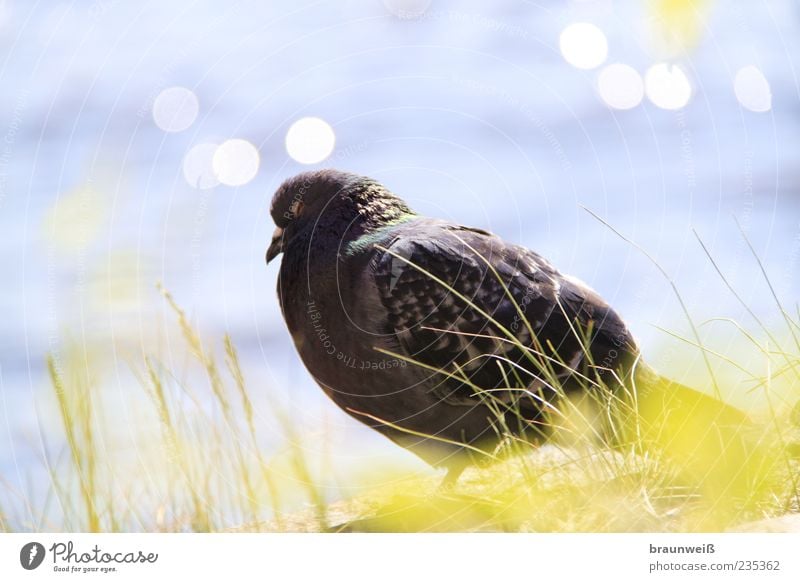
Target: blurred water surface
467, 109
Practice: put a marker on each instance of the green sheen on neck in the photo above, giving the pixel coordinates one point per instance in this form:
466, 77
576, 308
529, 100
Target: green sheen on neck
369, 238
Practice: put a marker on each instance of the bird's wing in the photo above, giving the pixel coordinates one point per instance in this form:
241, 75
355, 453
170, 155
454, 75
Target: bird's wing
463, 301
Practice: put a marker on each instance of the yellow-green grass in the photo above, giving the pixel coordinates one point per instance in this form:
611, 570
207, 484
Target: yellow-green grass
617, 460
208, 472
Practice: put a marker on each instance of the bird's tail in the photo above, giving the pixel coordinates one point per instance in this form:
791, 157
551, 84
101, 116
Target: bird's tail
714, 444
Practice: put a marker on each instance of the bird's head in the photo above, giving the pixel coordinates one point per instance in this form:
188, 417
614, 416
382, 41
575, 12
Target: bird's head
337, 201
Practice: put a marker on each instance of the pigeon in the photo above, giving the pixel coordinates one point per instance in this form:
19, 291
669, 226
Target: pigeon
445, 338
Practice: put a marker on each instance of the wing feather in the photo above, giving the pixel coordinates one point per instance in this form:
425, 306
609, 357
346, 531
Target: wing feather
450, 310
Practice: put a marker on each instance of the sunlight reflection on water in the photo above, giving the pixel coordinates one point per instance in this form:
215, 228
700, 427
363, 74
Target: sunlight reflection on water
505, 120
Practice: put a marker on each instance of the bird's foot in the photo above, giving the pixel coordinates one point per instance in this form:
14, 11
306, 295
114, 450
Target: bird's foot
450, 479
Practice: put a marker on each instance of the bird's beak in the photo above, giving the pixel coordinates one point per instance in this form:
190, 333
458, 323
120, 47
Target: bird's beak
276, 246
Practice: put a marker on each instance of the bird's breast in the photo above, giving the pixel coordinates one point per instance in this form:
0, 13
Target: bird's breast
340, 332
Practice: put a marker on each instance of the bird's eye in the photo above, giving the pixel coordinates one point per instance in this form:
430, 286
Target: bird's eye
297, 208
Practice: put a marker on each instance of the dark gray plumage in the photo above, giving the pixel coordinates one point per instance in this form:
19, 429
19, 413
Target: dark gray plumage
364, 277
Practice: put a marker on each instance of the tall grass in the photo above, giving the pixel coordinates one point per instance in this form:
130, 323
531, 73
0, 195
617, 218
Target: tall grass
618, 458
204, 471
688, 446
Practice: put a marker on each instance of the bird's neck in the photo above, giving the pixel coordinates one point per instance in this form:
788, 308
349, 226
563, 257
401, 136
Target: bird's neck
369, 206
363, 212
373, 234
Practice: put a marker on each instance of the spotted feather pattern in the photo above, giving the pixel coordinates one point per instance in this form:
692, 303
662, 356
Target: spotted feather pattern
446, 306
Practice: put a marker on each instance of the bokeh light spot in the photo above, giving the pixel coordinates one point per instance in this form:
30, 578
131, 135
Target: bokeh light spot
198, 169
752, 89
175, 109
583, 45
667, 86
236, 162
620, 86
310, 140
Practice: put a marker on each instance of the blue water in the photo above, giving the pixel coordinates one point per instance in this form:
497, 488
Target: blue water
469, 112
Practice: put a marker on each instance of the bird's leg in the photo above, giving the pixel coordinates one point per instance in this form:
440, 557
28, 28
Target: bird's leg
449, 481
